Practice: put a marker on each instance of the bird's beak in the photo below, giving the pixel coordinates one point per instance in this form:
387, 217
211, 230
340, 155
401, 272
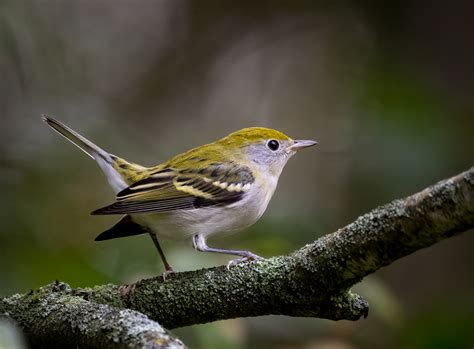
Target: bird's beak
300, 144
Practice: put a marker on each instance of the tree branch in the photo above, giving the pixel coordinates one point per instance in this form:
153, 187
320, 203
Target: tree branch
52, 317
313, 281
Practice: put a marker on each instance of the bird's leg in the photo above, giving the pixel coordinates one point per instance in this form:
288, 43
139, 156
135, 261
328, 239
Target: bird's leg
199, 244
168, 269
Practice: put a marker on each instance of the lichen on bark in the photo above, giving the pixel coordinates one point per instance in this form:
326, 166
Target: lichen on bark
313, 281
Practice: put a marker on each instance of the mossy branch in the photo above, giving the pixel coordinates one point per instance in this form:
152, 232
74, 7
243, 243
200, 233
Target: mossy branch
52, 317
313, 281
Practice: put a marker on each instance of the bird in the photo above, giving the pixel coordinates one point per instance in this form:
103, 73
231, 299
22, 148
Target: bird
220, 187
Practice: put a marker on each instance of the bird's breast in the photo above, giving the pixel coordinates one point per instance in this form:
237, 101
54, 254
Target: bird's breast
207, 221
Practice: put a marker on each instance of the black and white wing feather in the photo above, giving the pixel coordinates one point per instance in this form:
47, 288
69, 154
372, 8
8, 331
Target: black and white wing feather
169, 190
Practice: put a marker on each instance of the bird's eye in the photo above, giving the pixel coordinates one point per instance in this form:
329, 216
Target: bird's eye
273, 144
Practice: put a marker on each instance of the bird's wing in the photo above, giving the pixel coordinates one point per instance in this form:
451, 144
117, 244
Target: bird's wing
169, 189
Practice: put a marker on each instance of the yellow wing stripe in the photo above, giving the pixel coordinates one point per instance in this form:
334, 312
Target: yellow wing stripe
189, 189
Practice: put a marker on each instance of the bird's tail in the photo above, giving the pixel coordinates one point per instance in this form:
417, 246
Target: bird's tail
119, 172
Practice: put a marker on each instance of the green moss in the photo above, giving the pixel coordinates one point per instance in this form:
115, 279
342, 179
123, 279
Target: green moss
310, 282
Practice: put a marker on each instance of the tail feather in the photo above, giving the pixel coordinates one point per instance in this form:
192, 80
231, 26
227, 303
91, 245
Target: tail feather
105, 160
125, 227
72, 136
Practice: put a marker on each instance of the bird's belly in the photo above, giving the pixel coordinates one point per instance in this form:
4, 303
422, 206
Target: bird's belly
206, 221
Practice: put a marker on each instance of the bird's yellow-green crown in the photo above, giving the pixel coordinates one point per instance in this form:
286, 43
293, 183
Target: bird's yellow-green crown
254, 134
224, 149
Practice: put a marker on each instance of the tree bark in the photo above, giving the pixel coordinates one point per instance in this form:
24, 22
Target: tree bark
52, 317
314, 281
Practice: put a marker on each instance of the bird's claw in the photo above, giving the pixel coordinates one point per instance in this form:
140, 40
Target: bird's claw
167, 273
251, 257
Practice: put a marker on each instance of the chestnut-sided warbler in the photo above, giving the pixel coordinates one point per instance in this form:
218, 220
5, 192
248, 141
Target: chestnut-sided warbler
215, 188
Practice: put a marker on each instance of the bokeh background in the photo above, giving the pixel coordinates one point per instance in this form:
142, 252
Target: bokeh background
386, 87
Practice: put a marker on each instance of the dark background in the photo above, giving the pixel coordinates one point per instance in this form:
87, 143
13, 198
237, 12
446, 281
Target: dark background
385, 87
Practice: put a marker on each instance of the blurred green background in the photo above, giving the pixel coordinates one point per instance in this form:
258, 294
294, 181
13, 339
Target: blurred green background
387, 88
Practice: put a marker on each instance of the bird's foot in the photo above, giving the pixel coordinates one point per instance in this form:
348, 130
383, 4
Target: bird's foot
249, 257
168, 272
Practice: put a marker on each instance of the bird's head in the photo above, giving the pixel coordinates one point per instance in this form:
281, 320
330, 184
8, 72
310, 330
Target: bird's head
265, 147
